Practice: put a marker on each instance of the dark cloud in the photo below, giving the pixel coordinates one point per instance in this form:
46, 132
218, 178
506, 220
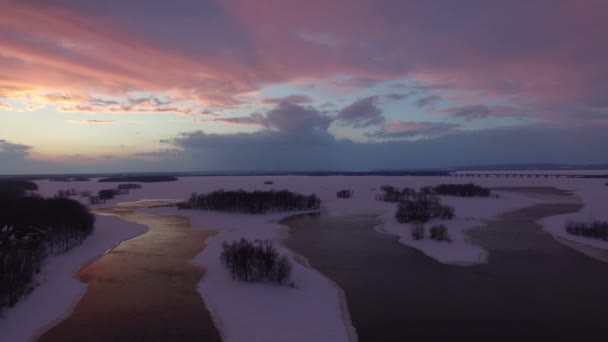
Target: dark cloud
362, 113
285, 117
295, 119
268, 150
413, 130
396, 96
427, 101
254, 119
13, 157
295, 99
474, 112
471, 112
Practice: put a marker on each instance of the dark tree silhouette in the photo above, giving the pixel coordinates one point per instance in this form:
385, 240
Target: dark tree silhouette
255, 262
595, 229
421, 208
344, 193
16, 188
462, 190
440, 233
106, 194
129, 186
140, 179
32, 227
256, 202
417, 231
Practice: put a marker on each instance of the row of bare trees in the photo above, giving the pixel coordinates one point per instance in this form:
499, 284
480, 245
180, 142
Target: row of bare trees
31, 228
256, 202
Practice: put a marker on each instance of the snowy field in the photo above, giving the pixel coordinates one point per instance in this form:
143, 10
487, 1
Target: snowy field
251, 312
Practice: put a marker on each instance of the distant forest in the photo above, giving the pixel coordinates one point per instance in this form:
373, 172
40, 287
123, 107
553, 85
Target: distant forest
462, 190
256, 202
140, 179
31, 228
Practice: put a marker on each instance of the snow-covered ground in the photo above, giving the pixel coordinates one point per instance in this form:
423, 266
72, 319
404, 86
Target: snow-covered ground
59, 289
469, 212
314, 310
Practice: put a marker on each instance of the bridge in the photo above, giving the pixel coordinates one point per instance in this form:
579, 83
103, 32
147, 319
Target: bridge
528, 175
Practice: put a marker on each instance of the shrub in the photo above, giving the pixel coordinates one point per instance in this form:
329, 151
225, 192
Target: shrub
417, 231
259, 262
393, 194
140, 179
595, 229
440, 233
344, 194
128, 186
462, 190
106, 194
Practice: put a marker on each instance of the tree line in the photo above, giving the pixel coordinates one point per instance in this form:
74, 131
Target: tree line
595, 229
421, 208
344, 193
462, 190
31, 228
256, 202
140, 179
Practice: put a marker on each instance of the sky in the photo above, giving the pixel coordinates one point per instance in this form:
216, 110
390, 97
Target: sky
185, 85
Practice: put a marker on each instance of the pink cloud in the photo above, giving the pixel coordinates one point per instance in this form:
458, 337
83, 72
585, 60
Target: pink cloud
526, 52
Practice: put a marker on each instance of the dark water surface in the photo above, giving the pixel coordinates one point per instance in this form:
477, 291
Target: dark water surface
533, 287
144, 289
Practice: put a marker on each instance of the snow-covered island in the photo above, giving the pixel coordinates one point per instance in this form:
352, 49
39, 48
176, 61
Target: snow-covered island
315, 309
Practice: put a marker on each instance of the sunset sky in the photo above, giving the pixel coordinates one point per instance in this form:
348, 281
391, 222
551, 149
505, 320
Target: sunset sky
184, 85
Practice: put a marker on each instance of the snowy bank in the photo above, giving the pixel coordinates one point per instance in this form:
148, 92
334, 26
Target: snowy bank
59, 289
594, 197
470, 212
314, 310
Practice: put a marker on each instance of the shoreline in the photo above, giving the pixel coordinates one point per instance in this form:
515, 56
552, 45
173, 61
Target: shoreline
116, 285
348, 323
59, 273
229, 301
68, 312
365, 189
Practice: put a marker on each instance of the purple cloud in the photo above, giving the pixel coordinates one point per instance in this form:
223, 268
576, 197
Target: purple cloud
427, 101
361, 113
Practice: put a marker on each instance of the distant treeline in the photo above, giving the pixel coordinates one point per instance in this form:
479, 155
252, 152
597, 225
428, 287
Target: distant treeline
31, 228
16, 188
462, 190
69, 179
344, 193
140, 179
393, 194
421, 207
257, 202
595, 229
